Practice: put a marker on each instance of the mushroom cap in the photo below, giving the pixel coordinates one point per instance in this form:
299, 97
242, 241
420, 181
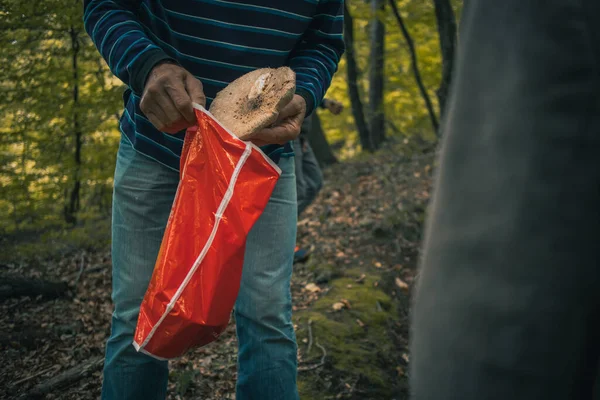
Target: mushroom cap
254, 100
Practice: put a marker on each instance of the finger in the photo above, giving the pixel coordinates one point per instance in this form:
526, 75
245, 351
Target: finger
164, 101
292, 109
181, 100
271, 136
156, 117
152, 104
279, 134
259, 143
152, 111
195, 90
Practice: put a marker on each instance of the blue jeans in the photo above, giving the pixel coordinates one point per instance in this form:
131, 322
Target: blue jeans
143, 193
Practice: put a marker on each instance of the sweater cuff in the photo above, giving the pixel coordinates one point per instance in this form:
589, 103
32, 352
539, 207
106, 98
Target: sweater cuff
146, 62
309, 98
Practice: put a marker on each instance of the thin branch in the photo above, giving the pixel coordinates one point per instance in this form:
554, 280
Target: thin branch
30, 377
415, 68
81, 269
315, 366
310, 337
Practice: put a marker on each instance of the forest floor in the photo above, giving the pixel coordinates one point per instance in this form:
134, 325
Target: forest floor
350, 301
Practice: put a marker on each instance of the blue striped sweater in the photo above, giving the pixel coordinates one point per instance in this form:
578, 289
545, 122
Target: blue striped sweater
217, 41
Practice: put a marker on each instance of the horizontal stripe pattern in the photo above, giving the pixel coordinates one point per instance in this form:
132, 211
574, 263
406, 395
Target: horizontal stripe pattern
217, 41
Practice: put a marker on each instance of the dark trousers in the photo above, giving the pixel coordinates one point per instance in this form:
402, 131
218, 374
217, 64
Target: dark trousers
309, 178
507, 302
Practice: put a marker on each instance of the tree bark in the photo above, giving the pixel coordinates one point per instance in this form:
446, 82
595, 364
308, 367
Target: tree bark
352, 73
319, 144
74, 197
415, 67
376, 74
446, 23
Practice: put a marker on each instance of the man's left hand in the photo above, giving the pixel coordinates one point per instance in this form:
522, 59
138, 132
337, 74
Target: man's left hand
287, 126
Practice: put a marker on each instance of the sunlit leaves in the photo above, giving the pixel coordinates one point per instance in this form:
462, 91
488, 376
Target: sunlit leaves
37, 110
403, 102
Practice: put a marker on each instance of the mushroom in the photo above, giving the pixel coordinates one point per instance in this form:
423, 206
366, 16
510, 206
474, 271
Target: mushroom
254, 100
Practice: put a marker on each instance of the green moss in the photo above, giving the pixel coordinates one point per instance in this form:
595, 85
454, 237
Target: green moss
324, 272
355, 350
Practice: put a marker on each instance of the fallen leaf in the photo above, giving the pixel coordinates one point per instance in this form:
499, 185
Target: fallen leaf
346, 303
405, 357
311, 287
349, 286
378, 264
360, 323
338, 306
401, 284
400, 370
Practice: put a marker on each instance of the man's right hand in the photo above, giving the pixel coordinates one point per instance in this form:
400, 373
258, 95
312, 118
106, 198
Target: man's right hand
168, 96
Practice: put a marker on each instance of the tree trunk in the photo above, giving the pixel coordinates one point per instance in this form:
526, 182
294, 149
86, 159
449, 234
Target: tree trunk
352, 72
415, 66
74, 197
376, 73
319, 144
446, 23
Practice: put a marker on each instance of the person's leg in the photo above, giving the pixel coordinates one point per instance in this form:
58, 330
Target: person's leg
507, 301
267, 359
301, 183
313, 177
143, 194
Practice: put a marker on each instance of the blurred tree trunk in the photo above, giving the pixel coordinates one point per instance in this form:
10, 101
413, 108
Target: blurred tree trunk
319, 144
352, 72
446, 23
74, 197
415, 67
376, 73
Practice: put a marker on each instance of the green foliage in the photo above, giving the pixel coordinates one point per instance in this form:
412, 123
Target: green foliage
45, 54
404, 106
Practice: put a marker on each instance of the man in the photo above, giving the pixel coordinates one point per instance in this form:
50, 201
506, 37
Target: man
171, 54
309, 178
508, 300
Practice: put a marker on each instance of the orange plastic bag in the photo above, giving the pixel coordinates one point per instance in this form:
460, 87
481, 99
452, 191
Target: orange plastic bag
224, 187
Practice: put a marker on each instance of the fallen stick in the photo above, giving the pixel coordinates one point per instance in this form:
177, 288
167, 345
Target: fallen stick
81, 269
30, 377
310, 337
65, 379
315, 366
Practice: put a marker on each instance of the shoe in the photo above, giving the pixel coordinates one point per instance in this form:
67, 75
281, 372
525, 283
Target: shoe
300, 255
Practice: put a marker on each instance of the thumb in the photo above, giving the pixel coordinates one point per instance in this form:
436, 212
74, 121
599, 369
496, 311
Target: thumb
195, 90
292, 109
